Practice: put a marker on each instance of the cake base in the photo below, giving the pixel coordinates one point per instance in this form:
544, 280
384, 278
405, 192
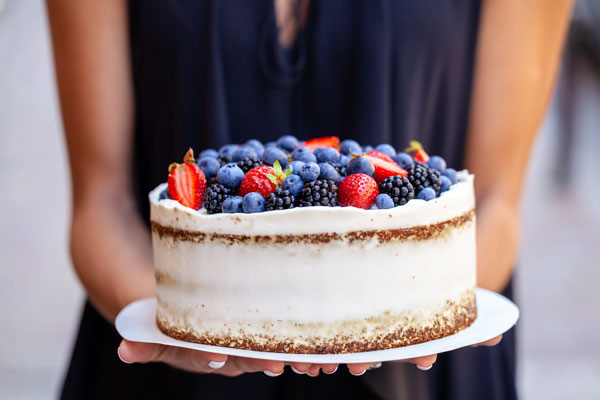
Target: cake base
379, 333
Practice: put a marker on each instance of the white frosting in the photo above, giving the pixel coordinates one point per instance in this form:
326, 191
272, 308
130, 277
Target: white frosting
215, 285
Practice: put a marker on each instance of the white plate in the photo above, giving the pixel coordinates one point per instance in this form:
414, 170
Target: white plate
495, 315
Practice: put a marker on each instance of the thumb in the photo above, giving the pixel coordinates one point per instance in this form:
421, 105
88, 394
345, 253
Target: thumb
137, 352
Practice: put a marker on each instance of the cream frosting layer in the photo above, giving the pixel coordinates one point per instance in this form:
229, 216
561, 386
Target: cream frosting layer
216, 287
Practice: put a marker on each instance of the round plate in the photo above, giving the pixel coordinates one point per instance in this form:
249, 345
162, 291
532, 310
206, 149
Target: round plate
495, 315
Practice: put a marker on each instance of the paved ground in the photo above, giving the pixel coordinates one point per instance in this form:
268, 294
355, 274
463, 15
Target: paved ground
40, 298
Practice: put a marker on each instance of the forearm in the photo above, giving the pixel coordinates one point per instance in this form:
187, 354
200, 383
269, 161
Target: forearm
112, 255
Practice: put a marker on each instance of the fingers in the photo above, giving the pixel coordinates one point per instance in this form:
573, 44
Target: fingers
135, 352
300, 368
491, 342
269, 367
424, 363
359, 368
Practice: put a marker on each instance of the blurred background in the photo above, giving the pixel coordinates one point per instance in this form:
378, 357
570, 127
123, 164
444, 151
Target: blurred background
558, 269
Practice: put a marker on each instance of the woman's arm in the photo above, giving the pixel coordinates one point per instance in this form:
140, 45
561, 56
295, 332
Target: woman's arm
518, 56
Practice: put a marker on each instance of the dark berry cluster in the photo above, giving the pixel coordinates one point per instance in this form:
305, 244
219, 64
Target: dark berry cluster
214, 197
248, 163
318, 193
279, 200
421, 176
398, 188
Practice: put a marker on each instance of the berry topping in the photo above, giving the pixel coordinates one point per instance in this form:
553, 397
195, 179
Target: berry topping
208, 153
451, 174
426, 194
358, 190
187, 182
243, 152
288, 142
437, 162
386, 149
399, 189
383, 169
329, 141
256, 180
318, 193
272, 154
416, 149
303, 154
404, 160
293, 184
296, 166
446, 183
210, 166
421, 176
328, 172
253, 203
232, 205
383, 201
164, 195
360, 166
257, 146
248, 163
327, 154
279, 200
310, 172
226, 152
215, 196
350, 145
230, 175
380, 155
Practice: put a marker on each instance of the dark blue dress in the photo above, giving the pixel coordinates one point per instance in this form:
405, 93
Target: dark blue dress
212, 72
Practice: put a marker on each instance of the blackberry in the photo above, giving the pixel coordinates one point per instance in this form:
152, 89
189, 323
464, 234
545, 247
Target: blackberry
279, 200
224, 160
421, 176
398, 188
247, 163
339, 168
214, 197
318, 193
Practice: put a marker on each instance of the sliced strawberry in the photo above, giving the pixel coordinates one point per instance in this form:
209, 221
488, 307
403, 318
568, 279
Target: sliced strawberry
383, 169
187, 182
256, 180
358, 190
381, 156
329, 141
417, 151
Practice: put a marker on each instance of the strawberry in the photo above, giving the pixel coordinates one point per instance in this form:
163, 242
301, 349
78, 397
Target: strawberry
381, 156
263, 179
416, 149
187, 182
329, 141
358, 190
384, 169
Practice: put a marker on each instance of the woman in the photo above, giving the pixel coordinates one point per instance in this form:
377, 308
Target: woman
141, 81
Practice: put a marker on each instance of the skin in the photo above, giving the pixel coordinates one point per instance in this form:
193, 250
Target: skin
110, 245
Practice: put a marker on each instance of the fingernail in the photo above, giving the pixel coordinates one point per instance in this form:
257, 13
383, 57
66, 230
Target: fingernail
332, 372
272, 374
425, 368
296, 371
362, 373
216, 364
121, 358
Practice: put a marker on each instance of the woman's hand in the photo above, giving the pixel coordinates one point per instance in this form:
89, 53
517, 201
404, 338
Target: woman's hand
204, 362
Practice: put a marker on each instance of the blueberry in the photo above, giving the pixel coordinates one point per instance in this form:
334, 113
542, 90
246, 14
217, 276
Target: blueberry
243, 152
230, 175
329, 173
350, 144
386, 149
253, 203
328, 154
164, 195
288, 142
446, 183
318, 151
310, 172
344, 159
303, 154
227, 150
209, 153
294, 184
360, 166
273, 154
426, 194
296, 167
437, 162
210, 166
257, 146
232, 205
367, 148
451, 174
384, 201
270, 144
404, 160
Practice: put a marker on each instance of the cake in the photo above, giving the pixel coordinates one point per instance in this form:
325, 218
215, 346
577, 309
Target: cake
317, 279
